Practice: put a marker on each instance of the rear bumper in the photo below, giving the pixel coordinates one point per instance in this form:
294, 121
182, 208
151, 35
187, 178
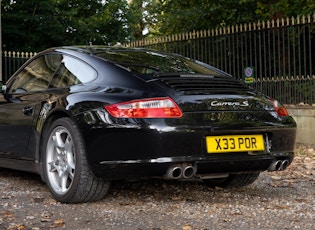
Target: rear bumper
151, 146
135, 148
158, 167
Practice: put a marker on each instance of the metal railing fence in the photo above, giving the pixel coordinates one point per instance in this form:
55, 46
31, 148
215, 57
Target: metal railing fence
11, 61
282, 53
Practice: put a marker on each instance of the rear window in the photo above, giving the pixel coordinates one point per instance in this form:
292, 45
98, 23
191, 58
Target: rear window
150, 62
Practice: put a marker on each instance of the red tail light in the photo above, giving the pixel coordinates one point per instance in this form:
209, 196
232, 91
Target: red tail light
145, 108
280, 109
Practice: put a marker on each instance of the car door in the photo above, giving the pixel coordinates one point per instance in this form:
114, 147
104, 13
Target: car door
18, 106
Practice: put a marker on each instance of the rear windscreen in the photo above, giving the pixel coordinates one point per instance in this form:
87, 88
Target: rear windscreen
150, 62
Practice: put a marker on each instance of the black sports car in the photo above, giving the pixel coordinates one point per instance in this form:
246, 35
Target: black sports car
84, 116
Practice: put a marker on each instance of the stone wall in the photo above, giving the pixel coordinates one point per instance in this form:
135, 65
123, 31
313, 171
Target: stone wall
305, 119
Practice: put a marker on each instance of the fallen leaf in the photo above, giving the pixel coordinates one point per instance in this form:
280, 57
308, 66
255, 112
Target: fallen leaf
187, 227
176, 198
59, 223
236, 213
276, 177
38, 200
6, 214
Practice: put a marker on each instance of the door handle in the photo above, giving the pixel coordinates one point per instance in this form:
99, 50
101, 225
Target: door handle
28, 111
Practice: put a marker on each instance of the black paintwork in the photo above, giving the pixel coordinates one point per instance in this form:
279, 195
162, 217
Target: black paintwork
119, 148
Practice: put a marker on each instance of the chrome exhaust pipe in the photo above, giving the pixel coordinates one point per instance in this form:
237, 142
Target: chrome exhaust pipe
275, 166
278, 165
177, 171
284, 164
174, 172
189, 170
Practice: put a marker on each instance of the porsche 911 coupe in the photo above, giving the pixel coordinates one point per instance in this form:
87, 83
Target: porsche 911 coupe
81, 117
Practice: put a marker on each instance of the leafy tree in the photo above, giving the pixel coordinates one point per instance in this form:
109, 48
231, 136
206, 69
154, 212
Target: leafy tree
272, 9
177, 16
98, 22
28, 24
143, 16
33, 25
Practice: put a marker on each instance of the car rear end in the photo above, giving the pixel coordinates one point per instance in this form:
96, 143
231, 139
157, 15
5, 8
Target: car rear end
195, 125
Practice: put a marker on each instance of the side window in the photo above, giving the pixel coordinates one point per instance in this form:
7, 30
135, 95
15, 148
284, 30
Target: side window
37, 75
72, 72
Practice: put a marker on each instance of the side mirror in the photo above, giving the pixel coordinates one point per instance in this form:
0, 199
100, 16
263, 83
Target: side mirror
3, 87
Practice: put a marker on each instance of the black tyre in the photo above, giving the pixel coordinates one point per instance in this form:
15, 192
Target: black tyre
66, 170
233, 180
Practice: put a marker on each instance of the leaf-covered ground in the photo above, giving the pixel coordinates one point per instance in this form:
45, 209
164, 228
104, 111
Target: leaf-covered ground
277, 200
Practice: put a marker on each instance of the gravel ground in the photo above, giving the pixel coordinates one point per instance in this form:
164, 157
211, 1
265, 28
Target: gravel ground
277, 200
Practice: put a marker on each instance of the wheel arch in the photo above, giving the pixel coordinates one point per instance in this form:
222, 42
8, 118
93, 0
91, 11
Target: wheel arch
66, 171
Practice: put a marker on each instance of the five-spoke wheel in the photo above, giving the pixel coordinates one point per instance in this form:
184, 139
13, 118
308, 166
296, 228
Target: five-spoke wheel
66, 169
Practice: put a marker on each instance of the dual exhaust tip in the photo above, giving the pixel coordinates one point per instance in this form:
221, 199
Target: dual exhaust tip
181, 171
188, 170
278, 165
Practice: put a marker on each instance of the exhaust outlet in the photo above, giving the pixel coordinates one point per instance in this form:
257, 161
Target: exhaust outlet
275, 166
189, 171
177, 171
174, 172
284, 164
278, 165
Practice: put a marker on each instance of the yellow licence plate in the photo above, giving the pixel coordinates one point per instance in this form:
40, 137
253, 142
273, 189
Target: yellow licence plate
235, 143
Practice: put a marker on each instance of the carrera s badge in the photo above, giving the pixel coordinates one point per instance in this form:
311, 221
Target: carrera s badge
229, 103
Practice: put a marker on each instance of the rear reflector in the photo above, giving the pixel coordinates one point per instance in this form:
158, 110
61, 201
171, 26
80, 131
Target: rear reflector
280, 109
145, 108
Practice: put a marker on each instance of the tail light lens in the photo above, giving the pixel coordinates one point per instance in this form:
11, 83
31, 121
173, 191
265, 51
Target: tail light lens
145, 108
280, 109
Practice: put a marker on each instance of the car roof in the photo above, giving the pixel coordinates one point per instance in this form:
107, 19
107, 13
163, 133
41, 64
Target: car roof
97, 49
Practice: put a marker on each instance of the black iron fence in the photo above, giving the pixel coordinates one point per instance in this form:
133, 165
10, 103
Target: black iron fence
281, 54
11, 61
